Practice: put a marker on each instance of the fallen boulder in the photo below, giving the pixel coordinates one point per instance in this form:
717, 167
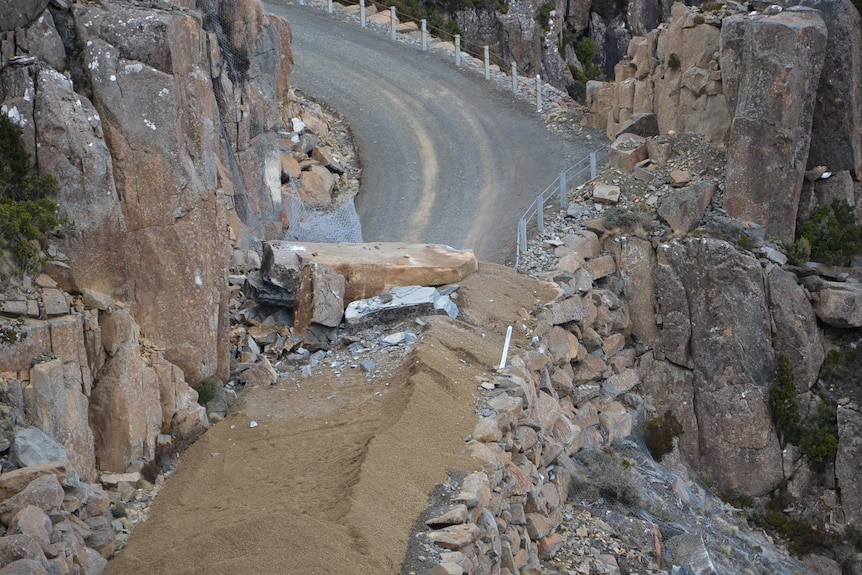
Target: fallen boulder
368, 268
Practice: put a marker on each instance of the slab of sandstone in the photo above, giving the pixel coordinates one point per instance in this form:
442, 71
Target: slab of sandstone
369, 268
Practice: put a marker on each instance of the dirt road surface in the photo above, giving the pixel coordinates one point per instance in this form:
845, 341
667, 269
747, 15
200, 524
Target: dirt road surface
333, 485
447, 157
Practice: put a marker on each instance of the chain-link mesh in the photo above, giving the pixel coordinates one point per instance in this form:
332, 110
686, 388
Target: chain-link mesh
336, 225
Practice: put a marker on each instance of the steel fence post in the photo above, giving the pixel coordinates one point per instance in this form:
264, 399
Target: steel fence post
538, 93
393, 21
563, 199
362, 12
540, 213
522, 232
487, 63
457, 49
424, 35
514, 77
592, 165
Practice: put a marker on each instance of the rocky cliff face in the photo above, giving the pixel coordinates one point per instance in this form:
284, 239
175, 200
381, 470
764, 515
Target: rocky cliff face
706, 72
160, 125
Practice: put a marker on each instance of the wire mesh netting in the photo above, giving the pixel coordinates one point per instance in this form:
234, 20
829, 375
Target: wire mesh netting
697, 532
336, 225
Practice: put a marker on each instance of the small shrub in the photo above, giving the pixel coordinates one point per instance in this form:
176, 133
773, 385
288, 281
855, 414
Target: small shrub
27, 210
833, 234
605, 475
799, 251
11, 333
586, 50
207, 389
673, 62
622, 220
783, 403
118, 511
659, 433
543, 16
819, 441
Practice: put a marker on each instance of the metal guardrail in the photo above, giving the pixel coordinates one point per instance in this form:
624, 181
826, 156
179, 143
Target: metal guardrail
575, 176
481, 53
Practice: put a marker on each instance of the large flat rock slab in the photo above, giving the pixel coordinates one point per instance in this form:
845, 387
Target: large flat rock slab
372, 268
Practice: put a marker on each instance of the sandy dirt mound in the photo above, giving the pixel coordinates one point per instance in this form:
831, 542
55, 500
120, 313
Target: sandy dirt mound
337, 470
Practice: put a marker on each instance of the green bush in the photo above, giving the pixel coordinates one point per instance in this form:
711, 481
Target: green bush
118, 511
659, 433
27, 210
799, 251
833, 234
818, 438
207, 389
673, 62
586, 50
819, 441
784, 405
543, 16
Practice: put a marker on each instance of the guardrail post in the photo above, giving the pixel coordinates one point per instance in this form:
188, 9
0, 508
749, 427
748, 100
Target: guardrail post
329, 6
362, 12
538, 93
563, 199
424, 35
514, 77
487, 63
592, 165
540, 213
393, 20
457, 49
522, 234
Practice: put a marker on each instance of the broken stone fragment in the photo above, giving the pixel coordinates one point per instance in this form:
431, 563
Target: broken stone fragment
398, 303
320, 299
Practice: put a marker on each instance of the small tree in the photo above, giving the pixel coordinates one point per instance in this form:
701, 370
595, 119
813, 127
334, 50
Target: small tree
833, 234
784, 405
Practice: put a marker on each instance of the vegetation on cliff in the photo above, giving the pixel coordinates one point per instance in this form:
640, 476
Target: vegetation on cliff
833, 234
27, 210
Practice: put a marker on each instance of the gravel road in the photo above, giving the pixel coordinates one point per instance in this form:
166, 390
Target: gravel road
447, 156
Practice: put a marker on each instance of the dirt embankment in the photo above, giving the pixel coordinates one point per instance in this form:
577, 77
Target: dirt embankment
337, 469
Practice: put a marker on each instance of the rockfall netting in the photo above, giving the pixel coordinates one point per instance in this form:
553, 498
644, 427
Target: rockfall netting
650, 505
334, 225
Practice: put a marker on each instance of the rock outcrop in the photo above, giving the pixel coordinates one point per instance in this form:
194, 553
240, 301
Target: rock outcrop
135, 109
771, 128
724, 338
704, 71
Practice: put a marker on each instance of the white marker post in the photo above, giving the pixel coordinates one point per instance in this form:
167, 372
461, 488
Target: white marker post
424, 35
458, 49
487, 63
362, 12
538, 93
329, 6
506, 348
394, 21
514, 77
